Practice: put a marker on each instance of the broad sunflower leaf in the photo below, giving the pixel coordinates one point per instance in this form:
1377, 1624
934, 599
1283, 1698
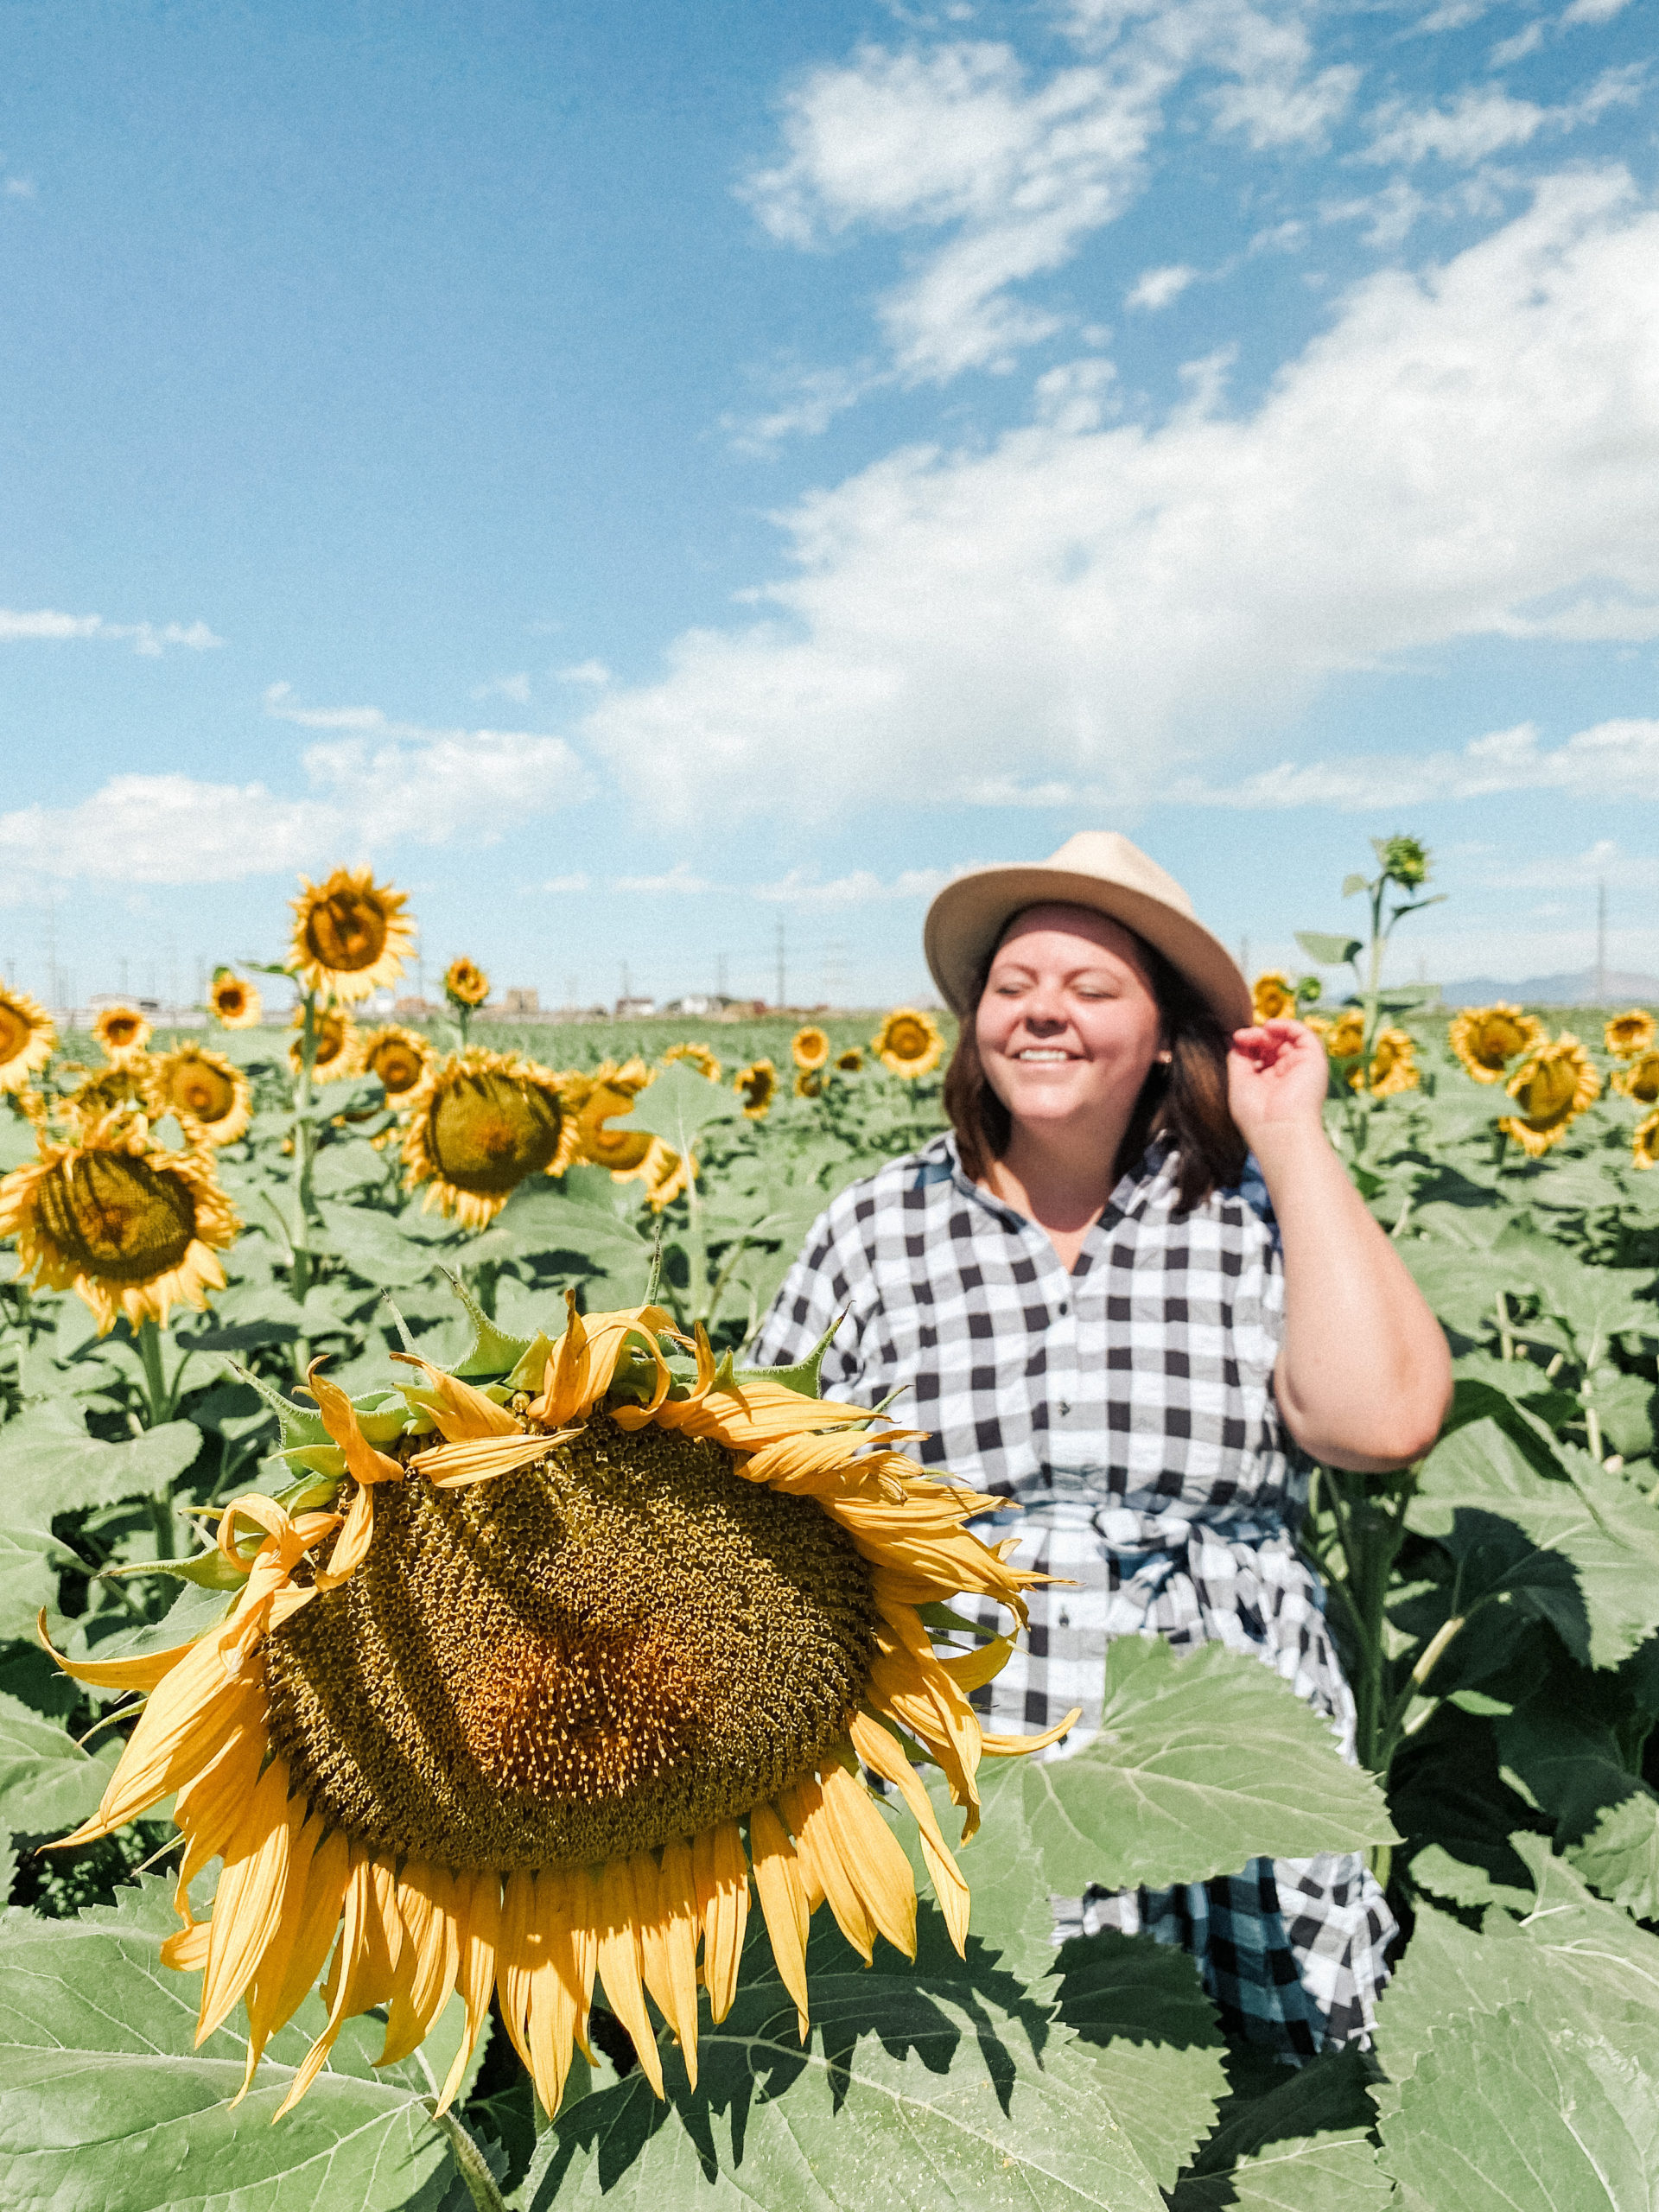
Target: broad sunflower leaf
944, 2083
1201, 1763
1584, 1545
105, 2105
30, 1559
1607, 1818
1459, 1815
49, 1464
1304, 2146
1325, 950
371, 1244
47, 1783
679, 1106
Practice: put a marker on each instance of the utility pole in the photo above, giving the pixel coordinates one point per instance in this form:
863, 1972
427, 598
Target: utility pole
627, 987
1244, 957
1601, 942
52, 953
720, 977
782, 965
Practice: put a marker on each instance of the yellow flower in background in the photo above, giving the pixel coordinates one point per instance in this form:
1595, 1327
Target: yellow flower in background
235, 1002
1639, 1079
1644, 1142
351, 935
204, 1088
27, 1036
130, 1227
1345, 1036
122, 1031
1272, 996
1393, 1065
695, 1056
1487, 1038
600, 1098
666, 1174
908, 1044
809, 1082
851, 1061
478, 1125
398, 1058
547, 1705
1630, 1033
758, 1084
130, 1084
809, 1046
1552, 1088
465, 984
335, 1036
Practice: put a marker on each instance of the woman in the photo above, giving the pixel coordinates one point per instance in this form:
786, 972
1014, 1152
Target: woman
1133, 1292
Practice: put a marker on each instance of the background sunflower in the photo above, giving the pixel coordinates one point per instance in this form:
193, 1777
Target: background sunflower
234, 1001
465, 984
477, 1125
27, 1034
809, 1046
1552, 1088
908, 1043
335, 1036
396, 1057
1487, 1038
204, 1087
757, 1084
351, 935
122, 1031
696, 1056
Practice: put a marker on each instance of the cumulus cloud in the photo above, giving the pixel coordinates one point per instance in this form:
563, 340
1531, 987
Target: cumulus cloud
1613, 761
1158, 287
150, 639
680, 880
1467, 452
862, 887
1483, 121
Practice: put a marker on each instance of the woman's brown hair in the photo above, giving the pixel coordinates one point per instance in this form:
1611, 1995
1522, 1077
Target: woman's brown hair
1185, 1101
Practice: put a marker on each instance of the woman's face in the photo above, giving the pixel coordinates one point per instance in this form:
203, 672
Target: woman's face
1068, 1026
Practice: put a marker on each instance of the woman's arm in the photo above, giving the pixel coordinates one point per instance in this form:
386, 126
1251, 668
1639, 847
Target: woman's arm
1364, 1376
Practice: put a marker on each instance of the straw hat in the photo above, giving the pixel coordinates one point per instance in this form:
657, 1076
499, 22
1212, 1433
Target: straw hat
1095, 868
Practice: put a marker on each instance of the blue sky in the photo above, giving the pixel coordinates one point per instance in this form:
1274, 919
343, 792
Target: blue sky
643, 477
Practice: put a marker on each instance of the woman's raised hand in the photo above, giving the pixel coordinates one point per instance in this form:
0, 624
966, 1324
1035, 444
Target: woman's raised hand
1277, 1079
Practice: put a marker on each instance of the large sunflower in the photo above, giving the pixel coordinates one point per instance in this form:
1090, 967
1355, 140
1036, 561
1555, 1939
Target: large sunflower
1394, 1065
208, 1090
27, 1033
477, 1124
1639, 1078
908, 1043
465, 984
1629, 1035
235, 1002
599, 1099
757, 1085
130, 1227
810, 1047
1487, 1038
695, 1056
397, 1058
122, 1031
549, 1700
1272, 996
1552, 1088
335, 1037
351, 935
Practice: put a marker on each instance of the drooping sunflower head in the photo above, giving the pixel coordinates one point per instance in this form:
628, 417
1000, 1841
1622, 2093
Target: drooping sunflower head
122, 1031
27, 1033
603, 1098
129, 1086
1487, 1038
1394, 1065
1345, 1036
129, 1226
695, 1056
809, 1082
908, 1043
1644, 1142
336, 1038
1639, 1078
757, 1085
351, 935
1406, 860
1272, 996
465, 984
1629, 1034
235, 1002
398, 1058
205, 1089
809, 1046
1552, 1088
477, 1125
563, 1665
851, 1061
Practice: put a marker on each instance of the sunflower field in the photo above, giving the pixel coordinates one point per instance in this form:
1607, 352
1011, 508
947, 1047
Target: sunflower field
466, 1739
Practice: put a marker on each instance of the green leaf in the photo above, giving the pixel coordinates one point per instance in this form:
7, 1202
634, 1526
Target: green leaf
679, 1106
30, 1559
372, 1245
1459, 1814
1568, 1758
1448, 1973
1140, 2007
49, 1464
47, 1783
1201, 1763
105, 2107
1327, 951
1304, 2146
942, 2084
193, 1612
1352, 883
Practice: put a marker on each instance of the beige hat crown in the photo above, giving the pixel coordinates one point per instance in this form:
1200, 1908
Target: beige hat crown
1097, 868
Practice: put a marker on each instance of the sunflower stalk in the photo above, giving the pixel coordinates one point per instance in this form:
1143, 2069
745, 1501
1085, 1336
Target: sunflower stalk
305, 1154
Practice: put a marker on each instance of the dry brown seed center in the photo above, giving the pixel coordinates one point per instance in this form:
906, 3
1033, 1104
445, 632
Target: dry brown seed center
345, 932
622, 1645
487, 1132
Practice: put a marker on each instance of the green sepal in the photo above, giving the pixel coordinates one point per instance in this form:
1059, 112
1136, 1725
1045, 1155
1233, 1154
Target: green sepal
311, 1493
298, 1427
208, 1570
532, 1364
943, 1621
493, 1352
320, 1459
802, 1377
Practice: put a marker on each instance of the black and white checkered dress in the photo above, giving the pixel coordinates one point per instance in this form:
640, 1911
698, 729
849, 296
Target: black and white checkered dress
1126, 1411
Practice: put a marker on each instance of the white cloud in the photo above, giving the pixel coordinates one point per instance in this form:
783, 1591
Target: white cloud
1613, 761
406, 784
567, 883
150, 639
1158, 287
516, 688
861, 889
1594, 11
592, 672
1077, 396
19, 187
1603, 862
1481, 122
678, 879
1511, 50
1464, 453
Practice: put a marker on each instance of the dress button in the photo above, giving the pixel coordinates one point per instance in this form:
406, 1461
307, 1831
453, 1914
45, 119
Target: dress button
1063, 1309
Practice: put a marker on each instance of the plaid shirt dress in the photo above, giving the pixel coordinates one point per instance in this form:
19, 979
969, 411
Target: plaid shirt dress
1126, 1412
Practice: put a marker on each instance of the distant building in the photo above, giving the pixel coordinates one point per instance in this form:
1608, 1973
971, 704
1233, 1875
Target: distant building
521, 1002
634, 1009
414, 1010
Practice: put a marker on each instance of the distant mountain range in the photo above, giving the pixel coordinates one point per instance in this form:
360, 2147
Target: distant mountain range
1619, 987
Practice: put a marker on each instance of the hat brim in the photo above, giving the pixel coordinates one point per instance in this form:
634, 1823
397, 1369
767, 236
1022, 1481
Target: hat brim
969, 915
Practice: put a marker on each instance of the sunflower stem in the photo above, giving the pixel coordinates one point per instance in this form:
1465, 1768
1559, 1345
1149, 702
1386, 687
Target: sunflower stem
158, 1408
305, 1139
476, 2177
